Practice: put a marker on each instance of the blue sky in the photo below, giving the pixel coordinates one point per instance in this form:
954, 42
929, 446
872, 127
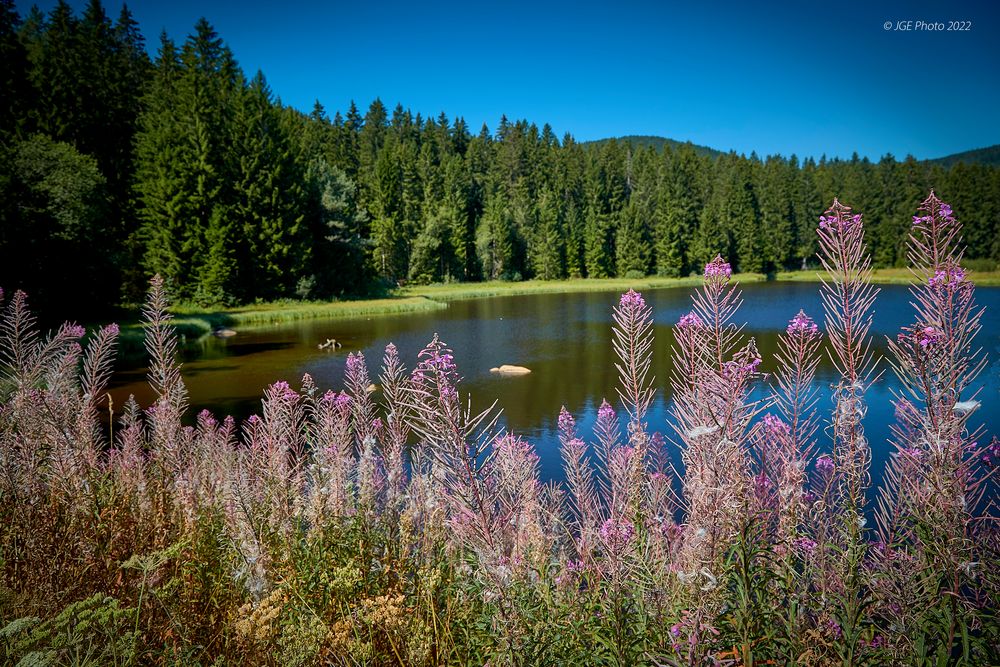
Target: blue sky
804, 78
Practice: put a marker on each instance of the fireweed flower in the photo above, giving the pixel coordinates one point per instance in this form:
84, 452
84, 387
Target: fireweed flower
947, 277
282, 390
805, 545
775, 427
803, 325
606, 413
839, 222
690, 320
718, 268
927, 337
632, 299
617, 535
824, 465
567, 425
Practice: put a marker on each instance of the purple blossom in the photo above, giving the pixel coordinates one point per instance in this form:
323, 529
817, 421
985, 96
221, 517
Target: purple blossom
113, 329
802, 324
762, 485
947, 277
205, 417
718, 268
606, 413
280, 389
824, 465
617, 534
805, 545
991, 454
840, 221
566, 422
928, 336
775, 427
934, 208
576, 444
632, 299
690, 320
355, 363
75, 330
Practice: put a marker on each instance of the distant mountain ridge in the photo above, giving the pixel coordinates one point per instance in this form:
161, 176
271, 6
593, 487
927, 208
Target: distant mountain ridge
989, 156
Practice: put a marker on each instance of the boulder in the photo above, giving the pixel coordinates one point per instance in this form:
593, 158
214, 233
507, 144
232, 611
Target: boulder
509, 369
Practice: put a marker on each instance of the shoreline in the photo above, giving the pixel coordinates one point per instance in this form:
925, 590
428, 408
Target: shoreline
193, 324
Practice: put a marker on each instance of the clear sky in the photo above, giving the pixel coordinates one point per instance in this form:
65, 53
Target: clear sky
804, 77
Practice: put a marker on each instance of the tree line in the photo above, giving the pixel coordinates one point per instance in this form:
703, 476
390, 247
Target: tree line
116, 165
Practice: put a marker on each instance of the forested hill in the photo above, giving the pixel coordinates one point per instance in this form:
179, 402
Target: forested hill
657, 143
988, 156
114, 166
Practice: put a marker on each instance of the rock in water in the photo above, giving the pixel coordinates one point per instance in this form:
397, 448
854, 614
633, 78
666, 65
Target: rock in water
508, 369
223, 333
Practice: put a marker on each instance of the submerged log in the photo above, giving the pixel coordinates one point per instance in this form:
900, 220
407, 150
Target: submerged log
331, 343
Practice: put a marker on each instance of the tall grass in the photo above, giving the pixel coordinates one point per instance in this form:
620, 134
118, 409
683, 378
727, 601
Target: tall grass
409, 528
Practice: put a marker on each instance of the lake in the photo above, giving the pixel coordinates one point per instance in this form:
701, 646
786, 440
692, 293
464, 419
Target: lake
565, 339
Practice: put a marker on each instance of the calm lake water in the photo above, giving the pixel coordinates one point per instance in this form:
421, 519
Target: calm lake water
565, 339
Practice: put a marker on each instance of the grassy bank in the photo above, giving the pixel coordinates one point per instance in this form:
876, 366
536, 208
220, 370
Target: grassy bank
455, 291
890, 277
193, 323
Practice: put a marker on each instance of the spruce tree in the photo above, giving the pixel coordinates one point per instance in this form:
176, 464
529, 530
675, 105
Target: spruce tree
633, 248
269, 236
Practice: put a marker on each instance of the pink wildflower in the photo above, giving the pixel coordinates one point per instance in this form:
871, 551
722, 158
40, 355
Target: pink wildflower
632, 299
718, 268
824, 465
690, 320
802, 324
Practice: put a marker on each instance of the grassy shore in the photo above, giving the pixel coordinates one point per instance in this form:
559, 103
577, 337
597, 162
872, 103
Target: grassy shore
455, 291
193, 323
889, 277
